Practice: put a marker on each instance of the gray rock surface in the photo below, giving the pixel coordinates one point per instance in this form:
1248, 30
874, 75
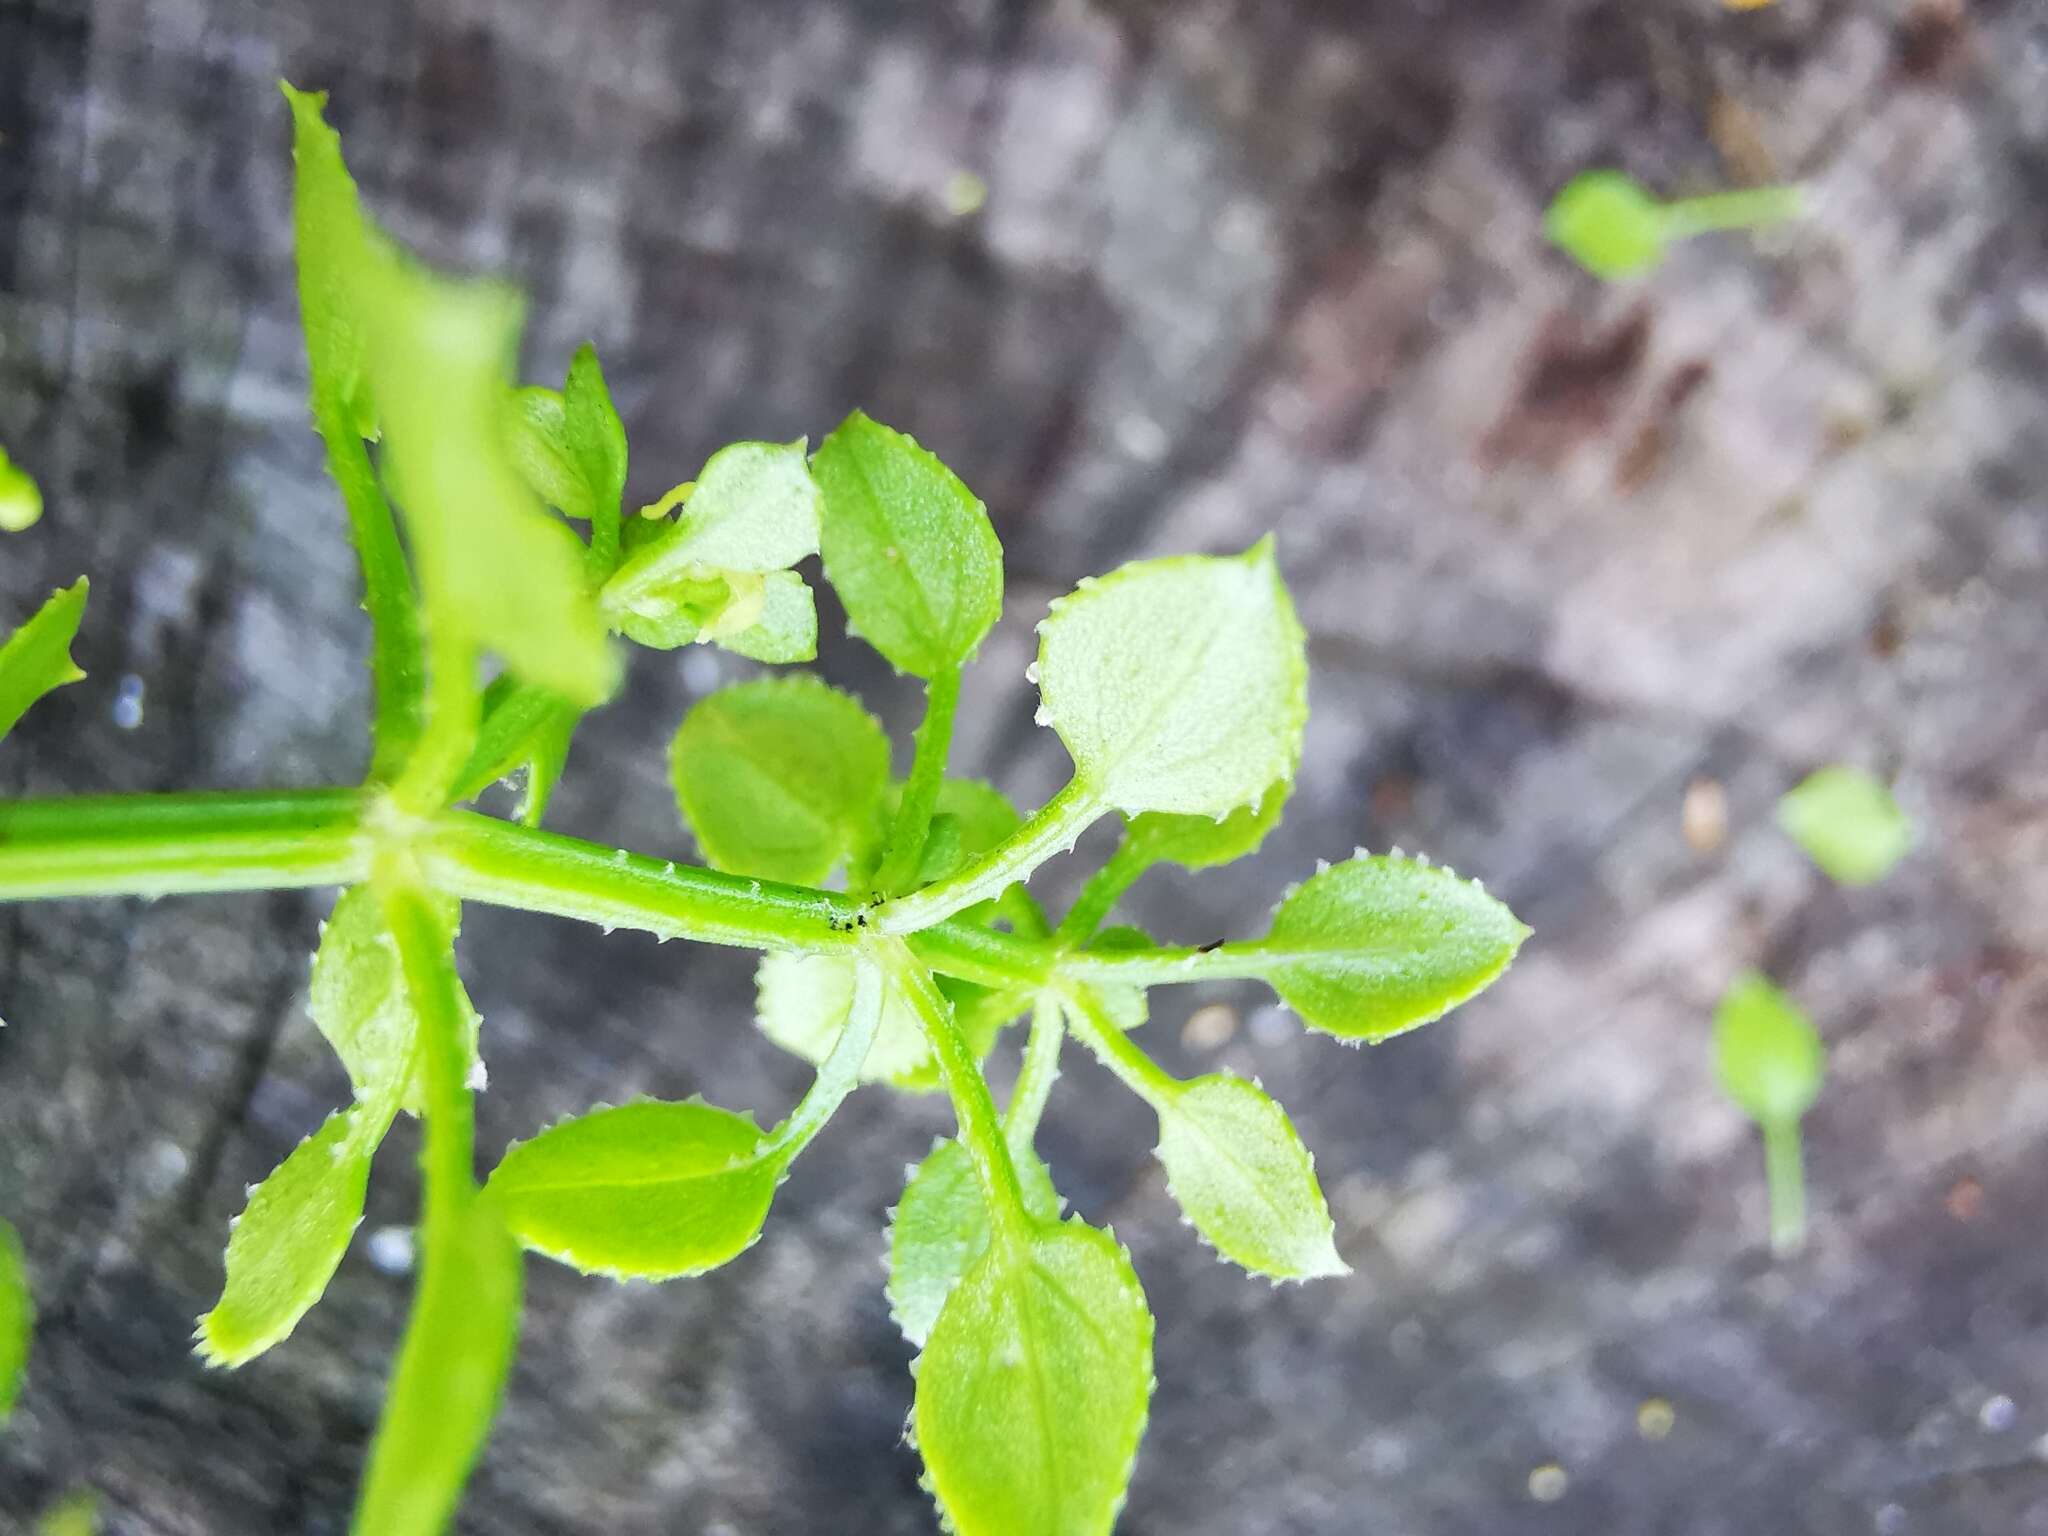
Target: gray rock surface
1562, 549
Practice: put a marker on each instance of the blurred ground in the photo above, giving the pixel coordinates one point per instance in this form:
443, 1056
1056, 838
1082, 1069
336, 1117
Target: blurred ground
1563, 551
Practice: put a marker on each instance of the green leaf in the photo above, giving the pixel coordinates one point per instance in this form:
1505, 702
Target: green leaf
536, 427
753, 509
787, 628
37, 656
1178, 685
290, 1238
1126, 1006
1848, 823
1033, 1387
17, 1318
76, 1514
908, 548
493, 566
1608, 223
1767, 1054
649, 1190
1240, 1173
361, 1004
21, 499
941, 1226
451, 1372
1200, 842
1375, 946
779, 778
598, 440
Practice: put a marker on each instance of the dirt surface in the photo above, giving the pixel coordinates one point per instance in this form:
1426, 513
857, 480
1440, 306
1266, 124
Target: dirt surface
1563, 550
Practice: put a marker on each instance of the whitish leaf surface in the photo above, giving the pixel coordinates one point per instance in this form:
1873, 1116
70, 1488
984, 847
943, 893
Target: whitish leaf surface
801, 1003
941, 1226
1848, 823
1178, 685
1767, 1054
1032, 1389
779, 778
1240, 1173
651, 1190
786, 629
37, 656
908, 548
1375, 946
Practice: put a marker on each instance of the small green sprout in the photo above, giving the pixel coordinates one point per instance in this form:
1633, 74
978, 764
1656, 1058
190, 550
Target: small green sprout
1770, 1060
1615, 227
76, 1514
1848, 823
17, 1318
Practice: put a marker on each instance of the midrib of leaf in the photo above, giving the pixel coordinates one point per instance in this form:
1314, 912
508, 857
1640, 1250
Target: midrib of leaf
912, 568
795, 809
1246, 1174
652, 1181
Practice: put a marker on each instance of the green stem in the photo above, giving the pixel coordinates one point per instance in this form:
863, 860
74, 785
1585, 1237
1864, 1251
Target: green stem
1785, 1174
1745, 208
921, 790
163, 845
514, 713
974, 1108
397, 661
448, 1150
1052, 830
1035, 1077
839, 1074
1100, 895
1138, 1072
450, 733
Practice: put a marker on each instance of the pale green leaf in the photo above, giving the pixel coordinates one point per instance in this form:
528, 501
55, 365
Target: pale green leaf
1375, 946
1848, 823
451, 1372
332, 241
359, 1000
779, 778
290, 1238
787, 628
941, 1226
1178, 685
536, 428
1608, 223
1240, 1173
908, 548
37, 656
21, 499
17, 1318
753, 509
492, 564
801, 1003
1033, 1387
650, 1190
1201, 842
1767, 1054
597, 439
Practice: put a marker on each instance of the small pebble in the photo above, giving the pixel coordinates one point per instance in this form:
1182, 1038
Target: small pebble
1965, 1200
1890, 1520
1997, 1414
128, 703
965, 194
1270, 1027
1547, 1484
1704, 816
1654, 1420
1209, 1028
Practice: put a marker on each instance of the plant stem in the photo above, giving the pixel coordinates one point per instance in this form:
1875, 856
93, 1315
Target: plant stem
1035, 1077
921, 790
397, 661
1052, 830
974, 1108
451, 729
1100, 895
839, 1074
1745, 208
1138, 1072
162, 845
513, 716
1785, 1175
424, 952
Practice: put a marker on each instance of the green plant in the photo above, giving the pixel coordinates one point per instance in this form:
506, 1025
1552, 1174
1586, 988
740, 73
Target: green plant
1615, 227
1178, 687
1770, 1061
1848, 823
21, 500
